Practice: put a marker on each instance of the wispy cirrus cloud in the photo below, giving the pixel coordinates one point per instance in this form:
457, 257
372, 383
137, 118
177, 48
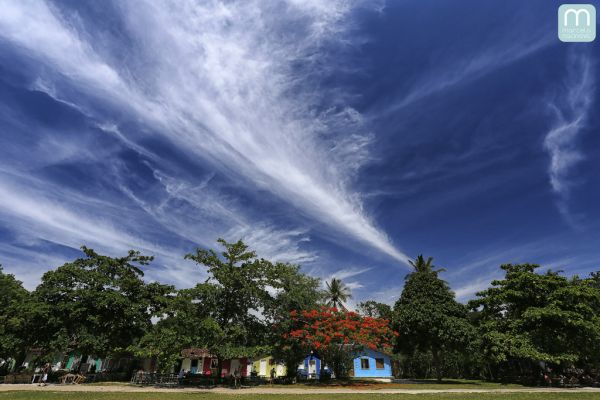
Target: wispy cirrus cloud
570, 107
469, 68
39, 214
226, 82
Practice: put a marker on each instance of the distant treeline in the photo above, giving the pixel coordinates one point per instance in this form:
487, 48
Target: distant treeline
527, 327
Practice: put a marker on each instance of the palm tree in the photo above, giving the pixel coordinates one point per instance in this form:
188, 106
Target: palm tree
422, 265
337, 293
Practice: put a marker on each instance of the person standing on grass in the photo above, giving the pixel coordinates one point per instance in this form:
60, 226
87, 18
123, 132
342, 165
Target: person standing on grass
45, 371
236, 378
180, 376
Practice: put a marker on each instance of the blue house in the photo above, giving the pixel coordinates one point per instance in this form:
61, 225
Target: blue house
310, 367
372, 364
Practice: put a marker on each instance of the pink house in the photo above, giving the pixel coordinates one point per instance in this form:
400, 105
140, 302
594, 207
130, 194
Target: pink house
202, 362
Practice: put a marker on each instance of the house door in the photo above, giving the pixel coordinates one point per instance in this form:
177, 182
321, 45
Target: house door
263, 368
235, 365
312, 367
279, 370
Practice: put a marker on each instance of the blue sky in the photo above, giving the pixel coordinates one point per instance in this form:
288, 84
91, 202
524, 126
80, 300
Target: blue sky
345, 136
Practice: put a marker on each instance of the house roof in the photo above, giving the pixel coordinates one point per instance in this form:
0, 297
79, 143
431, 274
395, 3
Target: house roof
195, 353
380, 351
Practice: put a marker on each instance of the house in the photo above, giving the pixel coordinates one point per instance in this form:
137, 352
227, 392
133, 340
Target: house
372, 364
263, 366
243, 364
202, 362
76, 362
310, 367
81, 363
199, 361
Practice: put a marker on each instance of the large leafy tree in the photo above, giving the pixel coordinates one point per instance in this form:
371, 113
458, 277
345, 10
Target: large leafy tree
98, 304
337, 335
236, 312
428, 317
186, 322
371, 308
244, 295
16, 315
297, 291
337, 293
235, 291
529, 317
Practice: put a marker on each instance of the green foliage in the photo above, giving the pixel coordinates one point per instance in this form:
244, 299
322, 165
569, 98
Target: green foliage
246, 297
337, 294
375, 309
539, 317
98, 304
237, 312
233, 295
427, 316
296, 292
16, 315
337, 335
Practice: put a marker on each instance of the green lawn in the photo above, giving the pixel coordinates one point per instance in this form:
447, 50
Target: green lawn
421, 384
356, 384
218, 396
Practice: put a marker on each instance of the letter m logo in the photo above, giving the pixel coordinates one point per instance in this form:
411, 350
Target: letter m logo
576, 13
577, 22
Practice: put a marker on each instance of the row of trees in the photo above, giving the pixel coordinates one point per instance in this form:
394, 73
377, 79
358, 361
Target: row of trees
520, 328
250, 306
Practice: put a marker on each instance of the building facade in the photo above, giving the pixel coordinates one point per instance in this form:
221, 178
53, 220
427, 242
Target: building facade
263, 366
372, 364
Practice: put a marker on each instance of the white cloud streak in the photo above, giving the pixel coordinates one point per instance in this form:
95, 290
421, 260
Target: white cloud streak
220, 80
570, 108
468, 69
43, 215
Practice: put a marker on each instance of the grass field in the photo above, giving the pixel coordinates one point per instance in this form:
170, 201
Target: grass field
220, 396
356, 384
421, 384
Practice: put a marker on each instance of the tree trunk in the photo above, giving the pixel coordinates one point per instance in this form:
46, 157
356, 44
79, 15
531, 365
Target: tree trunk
219, 369
437, 364
19, 359
490, 371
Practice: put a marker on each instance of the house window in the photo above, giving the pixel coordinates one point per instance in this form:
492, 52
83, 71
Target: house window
379, 364
214, 363
364, 363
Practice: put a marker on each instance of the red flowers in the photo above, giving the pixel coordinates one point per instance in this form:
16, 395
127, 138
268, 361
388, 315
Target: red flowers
327, 327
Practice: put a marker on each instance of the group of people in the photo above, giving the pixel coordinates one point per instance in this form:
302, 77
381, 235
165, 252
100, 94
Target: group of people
236, 376
568, 377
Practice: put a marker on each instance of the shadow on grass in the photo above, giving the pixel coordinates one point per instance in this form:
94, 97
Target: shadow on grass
405, 383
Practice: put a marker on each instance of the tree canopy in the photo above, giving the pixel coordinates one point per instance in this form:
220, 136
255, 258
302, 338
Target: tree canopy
530, 316
243, 298
337, 335
17, 313
337, 294
97, 304
428, 317
371, 308
247, 306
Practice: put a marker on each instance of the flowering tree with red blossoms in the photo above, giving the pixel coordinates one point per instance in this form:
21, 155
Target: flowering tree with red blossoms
336, 336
